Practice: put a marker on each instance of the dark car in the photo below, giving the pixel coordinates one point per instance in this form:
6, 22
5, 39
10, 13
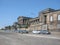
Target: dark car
44, 32
23, 31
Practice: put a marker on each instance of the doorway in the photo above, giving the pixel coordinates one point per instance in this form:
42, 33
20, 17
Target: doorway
45, 17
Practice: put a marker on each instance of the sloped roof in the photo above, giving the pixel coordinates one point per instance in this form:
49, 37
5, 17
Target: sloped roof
47, 10
24, 17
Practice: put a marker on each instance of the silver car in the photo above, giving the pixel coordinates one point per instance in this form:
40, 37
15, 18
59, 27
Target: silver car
36, 31
44, 32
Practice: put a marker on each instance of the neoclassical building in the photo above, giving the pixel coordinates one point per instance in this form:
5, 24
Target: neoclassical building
48, 19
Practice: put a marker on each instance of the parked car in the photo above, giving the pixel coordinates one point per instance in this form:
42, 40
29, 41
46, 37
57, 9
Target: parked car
41, 32
16, 31
44, 32
23, 31
7, 30
36, 31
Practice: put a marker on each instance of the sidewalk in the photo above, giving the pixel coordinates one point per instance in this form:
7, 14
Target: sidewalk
57, 34
42, 36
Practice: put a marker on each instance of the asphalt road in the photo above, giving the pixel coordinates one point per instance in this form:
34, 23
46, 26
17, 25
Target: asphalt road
20, 39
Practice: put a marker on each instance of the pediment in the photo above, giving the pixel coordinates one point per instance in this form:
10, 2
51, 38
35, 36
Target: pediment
47, 10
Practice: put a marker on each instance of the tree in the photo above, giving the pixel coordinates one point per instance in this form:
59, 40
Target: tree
8, 27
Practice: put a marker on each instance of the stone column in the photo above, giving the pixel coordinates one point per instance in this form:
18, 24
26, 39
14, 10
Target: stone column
55, 18
48, 21
41, 18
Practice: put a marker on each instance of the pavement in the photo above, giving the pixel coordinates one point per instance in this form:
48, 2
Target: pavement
11, 38
43, 36
55, 34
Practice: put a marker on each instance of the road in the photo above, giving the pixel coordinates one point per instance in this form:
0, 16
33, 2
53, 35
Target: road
20, 39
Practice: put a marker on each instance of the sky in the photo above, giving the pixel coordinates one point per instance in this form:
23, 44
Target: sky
10, 10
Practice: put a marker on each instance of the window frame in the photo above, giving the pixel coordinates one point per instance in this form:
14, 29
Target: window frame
51, 18
58, 17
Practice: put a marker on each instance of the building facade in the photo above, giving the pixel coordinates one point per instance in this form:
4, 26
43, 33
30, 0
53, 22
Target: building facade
23, 20
48, 19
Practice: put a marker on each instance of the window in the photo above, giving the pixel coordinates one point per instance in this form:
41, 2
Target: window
58, 17
51, 18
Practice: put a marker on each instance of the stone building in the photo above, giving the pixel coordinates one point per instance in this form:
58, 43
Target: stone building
48, 19
23, 20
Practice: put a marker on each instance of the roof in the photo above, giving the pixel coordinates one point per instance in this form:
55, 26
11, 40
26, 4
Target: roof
34, 19
24, 17
47, 10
